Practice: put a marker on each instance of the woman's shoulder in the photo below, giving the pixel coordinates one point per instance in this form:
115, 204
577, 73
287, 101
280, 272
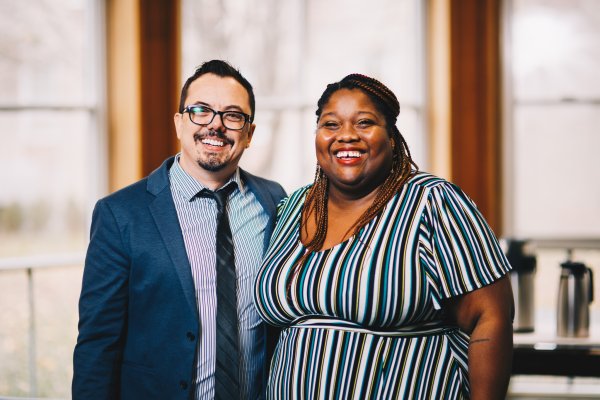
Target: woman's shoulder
299, 194
301, 191
426, 180
439, 189
294, 199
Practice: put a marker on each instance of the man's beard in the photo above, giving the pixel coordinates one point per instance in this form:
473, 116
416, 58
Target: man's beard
212, 162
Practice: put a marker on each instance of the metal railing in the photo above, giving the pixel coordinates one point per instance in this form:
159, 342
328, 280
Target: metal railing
28, 264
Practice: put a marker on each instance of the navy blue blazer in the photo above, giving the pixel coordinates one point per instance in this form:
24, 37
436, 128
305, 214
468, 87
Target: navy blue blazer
138, 320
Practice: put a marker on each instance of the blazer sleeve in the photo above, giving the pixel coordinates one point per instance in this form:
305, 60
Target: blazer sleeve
102, 310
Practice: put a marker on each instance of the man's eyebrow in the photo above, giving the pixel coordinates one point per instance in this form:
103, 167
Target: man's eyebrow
232, 107
199, 103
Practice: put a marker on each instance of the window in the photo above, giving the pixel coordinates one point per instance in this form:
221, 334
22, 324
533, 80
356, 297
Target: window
552, 140
51, 151
553, 108
52, 169
290, 50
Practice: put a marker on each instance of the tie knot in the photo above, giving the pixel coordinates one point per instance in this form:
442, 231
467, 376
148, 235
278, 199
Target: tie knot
220, 195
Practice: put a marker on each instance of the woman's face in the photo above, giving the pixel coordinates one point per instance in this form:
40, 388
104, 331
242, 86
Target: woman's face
352, 143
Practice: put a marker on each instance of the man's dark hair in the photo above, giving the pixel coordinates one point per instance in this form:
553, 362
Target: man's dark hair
223, 69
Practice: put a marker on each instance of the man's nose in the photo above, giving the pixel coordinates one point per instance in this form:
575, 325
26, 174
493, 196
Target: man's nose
217, 123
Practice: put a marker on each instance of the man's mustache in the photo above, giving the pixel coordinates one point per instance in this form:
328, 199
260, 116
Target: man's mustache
212, 134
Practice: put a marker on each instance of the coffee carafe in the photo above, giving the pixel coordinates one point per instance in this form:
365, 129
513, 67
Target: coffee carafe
522, 279
575, 293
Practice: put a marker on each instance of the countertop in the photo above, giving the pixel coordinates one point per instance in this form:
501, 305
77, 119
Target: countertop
544, 335
542, 352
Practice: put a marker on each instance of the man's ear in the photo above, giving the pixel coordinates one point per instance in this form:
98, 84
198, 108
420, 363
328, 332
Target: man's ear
250, 134
178, 120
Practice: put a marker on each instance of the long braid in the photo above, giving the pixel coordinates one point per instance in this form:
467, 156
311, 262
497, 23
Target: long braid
402, 167
316, 201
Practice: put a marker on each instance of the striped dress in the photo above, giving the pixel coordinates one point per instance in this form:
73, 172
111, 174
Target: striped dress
363, 319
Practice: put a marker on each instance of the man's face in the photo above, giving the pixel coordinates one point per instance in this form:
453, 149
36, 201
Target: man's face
213, 151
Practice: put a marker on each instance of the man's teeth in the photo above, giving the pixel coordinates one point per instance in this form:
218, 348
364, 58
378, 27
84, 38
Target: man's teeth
348, 154
213, 142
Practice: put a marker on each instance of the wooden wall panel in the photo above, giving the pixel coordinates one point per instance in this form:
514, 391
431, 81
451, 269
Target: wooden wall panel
160, 55
143, 54
475, 103
438, 87
123, 93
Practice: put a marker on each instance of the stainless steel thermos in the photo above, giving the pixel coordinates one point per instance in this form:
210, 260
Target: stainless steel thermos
575, 293
522, 278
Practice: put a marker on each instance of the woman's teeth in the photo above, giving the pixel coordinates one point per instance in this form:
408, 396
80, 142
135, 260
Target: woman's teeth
348, 154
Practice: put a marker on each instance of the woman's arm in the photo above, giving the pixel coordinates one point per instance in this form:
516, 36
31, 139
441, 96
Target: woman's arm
486, 314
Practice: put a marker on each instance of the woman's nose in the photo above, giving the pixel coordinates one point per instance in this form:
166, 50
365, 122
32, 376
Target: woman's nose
347, 134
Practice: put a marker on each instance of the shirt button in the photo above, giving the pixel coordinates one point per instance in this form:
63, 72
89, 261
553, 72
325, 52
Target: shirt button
183, 385
191, 336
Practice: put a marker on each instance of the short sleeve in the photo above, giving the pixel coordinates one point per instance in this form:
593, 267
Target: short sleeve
463, 253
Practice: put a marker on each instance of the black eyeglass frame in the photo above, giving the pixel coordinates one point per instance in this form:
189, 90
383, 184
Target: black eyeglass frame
187, 109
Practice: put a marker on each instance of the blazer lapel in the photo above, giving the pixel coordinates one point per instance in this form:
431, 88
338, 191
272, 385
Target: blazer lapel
166, 220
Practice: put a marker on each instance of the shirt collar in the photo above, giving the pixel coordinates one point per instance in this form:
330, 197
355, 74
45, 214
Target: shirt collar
189, 187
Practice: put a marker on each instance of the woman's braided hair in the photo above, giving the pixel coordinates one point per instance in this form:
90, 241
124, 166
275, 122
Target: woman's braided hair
402, 166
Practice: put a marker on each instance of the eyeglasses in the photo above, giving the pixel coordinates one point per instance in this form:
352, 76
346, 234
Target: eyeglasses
202, 115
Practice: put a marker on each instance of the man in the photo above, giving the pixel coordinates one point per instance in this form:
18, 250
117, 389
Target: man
151, 306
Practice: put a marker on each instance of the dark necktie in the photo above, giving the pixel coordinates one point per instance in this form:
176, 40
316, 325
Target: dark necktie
227, 376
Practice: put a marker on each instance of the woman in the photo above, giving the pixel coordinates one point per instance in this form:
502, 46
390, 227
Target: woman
388, 282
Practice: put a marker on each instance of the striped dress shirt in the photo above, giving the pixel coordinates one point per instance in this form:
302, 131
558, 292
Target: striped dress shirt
198, 220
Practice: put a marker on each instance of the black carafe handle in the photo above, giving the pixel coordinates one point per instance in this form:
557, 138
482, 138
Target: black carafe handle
591, 285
